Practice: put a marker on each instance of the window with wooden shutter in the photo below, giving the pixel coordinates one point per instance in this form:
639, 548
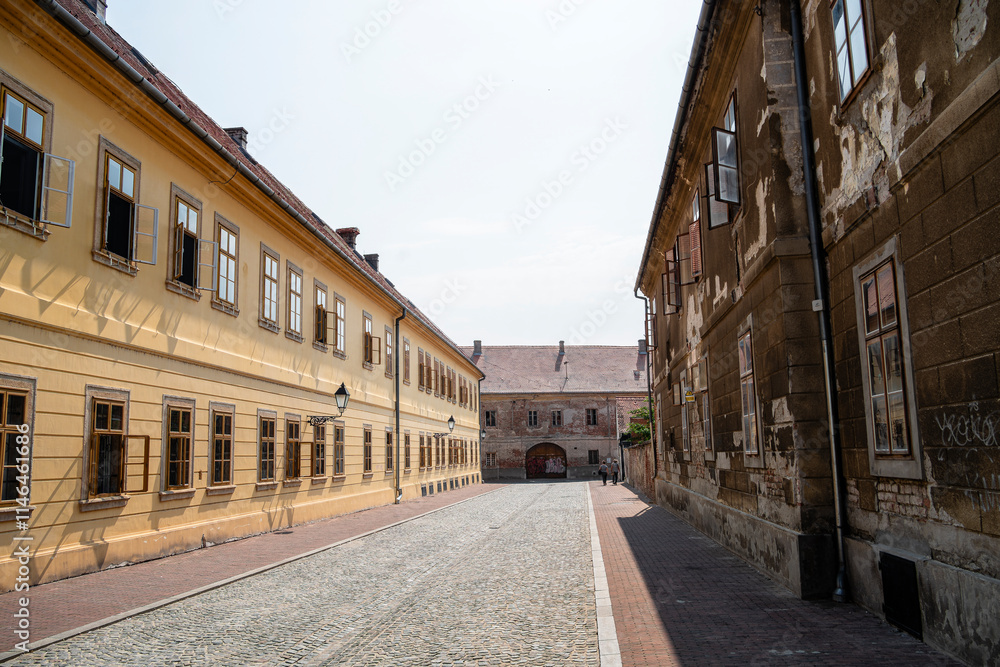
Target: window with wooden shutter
671, 283
694, 233
682, 251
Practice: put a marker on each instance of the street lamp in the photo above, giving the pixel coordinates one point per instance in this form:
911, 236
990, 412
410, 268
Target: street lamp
341, 396
451, 427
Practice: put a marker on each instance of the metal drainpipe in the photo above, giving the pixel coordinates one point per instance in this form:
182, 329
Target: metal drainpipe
649, 393
395, 363
840, 594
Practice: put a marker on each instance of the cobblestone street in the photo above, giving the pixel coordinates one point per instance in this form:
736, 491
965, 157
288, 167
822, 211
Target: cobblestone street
506, 577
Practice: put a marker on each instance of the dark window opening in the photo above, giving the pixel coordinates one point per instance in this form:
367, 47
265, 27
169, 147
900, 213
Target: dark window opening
20, 177
118, 237
189, 256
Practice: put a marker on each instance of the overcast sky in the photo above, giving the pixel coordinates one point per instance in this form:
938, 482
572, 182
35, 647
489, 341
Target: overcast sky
501, 156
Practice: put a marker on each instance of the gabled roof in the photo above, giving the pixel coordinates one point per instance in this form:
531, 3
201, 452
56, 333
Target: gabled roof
82, 21
583, 369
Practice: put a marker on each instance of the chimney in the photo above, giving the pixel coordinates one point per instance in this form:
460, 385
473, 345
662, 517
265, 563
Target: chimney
562, 348
350, 235
239, 135
100, 8
642, 346
477, 348
372, 260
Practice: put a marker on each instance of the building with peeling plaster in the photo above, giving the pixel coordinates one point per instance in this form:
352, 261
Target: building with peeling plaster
825, 325
555, 411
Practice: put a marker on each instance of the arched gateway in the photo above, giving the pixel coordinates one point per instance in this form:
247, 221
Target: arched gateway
545, 461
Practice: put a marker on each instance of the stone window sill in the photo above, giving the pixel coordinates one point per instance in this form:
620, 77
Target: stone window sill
103, 503
183, 290
220, 490
227, 308
291, 335
291, 483
268, 324
115, 262
16, 512
322, 347
176, 494
23, 224
266, 486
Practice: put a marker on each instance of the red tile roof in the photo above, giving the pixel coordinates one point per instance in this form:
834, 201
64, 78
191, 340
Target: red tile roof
519, 369
127, 53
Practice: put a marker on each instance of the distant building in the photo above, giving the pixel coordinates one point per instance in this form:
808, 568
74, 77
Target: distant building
825, 304
555, 411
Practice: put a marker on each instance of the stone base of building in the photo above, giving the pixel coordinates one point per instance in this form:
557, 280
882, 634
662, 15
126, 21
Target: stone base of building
802, 563
960, 610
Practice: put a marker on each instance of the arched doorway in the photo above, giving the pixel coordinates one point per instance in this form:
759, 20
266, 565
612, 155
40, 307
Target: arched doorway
545, 461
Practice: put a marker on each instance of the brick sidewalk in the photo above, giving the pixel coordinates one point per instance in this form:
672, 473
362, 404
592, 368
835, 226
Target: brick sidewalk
68, 604
679, 598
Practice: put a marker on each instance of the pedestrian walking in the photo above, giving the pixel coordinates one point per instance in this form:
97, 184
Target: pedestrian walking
614, 471
603, 471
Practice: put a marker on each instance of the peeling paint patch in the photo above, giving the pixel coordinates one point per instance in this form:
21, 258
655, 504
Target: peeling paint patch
869, 144
763, 187
969, 26
721, 292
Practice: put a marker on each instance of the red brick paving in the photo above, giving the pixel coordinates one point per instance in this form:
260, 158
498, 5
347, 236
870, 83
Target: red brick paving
71, 603
679, 598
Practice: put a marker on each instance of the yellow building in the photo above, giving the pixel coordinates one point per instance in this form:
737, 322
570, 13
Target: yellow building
173, 319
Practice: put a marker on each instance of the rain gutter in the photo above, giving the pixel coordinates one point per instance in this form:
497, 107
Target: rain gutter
698, 49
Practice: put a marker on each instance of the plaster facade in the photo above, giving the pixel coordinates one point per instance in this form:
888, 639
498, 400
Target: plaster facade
167, 403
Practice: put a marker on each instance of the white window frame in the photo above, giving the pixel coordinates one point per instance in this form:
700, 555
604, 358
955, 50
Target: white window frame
909, 466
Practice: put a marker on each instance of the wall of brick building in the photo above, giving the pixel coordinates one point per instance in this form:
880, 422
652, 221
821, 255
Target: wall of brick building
775, 508
929, 190
512, 437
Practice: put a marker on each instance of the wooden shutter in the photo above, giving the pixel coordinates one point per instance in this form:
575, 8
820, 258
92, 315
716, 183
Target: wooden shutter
694, 231
136, 455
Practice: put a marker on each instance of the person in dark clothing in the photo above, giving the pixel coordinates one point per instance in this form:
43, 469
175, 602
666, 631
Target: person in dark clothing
603, 472
615, 470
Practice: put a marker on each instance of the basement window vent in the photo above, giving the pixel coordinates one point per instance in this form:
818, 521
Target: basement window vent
902, 596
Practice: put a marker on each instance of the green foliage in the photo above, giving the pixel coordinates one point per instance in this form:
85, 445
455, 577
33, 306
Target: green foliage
640, 432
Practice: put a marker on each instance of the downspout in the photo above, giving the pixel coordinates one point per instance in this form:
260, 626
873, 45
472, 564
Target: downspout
649, 392
399, 436
822, 303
